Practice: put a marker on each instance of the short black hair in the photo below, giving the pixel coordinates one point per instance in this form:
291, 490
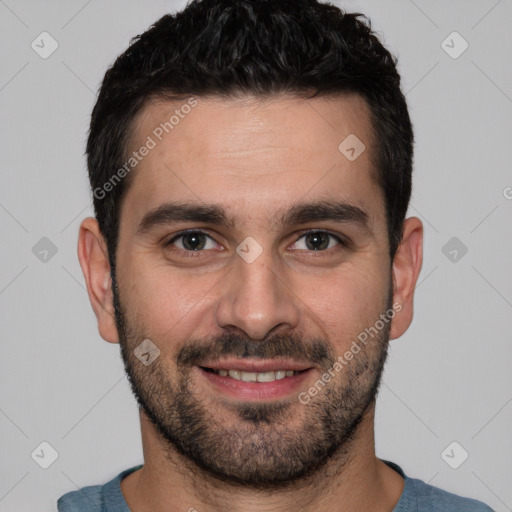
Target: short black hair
262, 48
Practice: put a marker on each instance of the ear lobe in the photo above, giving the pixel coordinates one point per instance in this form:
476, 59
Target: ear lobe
406, 268
93, 257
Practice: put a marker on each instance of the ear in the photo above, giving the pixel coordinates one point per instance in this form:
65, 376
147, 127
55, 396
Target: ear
406, 268
93, 256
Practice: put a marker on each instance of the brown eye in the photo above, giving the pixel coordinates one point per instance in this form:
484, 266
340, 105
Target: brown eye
317, 241
192, 241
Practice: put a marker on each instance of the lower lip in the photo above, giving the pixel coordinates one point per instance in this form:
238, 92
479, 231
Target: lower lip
255, 391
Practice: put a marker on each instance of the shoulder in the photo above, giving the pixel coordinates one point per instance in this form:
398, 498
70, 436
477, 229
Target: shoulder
418, 496
97, 498
85, 499
430, 498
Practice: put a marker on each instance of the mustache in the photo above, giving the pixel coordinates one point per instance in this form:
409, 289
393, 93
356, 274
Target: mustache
290, 346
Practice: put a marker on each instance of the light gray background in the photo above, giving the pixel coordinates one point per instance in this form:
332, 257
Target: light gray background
448, 379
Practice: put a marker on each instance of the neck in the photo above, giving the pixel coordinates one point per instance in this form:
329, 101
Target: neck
353, 479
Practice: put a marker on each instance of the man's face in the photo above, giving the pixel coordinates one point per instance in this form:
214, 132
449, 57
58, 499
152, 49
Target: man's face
272, 287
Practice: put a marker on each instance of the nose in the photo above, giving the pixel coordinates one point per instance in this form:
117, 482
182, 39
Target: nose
256, 298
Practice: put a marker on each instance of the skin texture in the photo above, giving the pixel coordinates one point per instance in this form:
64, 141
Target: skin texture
256, 159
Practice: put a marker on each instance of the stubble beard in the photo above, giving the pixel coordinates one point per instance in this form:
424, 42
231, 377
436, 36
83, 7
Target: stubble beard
258, 449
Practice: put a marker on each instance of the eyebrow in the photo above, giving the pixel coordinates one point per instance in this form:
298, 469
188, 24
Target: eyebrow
301, 213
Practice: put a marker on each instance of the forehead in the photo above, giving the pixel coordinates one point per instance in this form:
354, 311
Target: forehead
259, 153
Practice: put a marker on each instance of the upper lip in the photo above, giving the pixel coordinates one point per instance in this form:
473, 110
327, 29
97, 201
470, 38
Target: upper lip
255, 365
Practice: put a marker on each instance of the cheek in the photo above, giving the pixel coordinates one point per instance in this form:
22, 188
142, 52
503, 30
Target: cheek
347, 302
165, 303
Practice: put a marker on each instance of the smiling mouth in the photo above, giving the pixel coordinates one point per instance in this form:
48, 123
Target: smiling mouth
253, 376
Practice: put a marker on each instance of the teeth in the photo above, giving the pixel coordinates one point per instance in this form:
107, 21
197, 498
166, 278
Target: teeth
266, 377
256, 377
249, 377
235, 374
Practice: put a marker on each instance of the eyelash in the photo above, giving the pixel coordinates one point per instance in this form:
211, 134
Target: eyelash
189, 253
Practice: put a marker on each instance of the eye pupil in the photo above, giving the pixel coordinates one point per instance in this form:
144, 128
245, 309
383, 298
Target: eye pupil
193, 241
317, 241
